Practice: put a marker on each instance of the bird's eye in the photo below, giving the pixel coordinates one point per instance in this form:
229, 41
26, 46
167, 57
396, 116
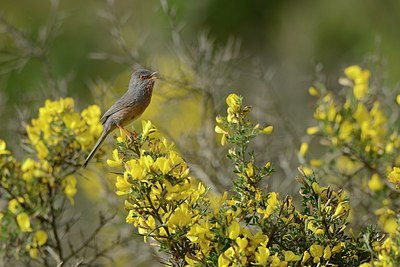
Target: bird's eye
142, 77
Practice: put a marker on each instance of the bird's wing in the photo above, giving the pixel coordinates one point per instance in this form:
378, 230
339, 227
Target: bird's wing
120, 104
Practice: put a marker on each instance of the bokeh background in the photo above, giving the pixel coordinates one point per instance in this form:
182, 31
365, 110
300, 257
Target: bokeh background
268, 51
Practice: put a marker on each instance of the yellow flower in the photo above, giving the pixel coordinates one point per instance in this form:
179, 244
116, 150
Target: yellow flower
360, 78
316, 162
262, 255
316, 250
146, 225
234, 230
375, 183
70, 190
219, 119
353, 71
41, 150
313, 91
271, 205
180, 216
224, 140
32, 252
398, 99
342, 208
307, 171
303, 149
116, 161
394, 176
40, 238
312, 130
327, 252
219, 130
28, 168
147, 128
346, 131
233, 101
3, 150
191, 262
14, 204
23, 222
91, 114
224, 133
268, 130
131, 218
73, 121
276, 262
360, 90
338, 247
306, 256
122, 185
346, 165
226, 258
249, 170
319, 231
242, 243
390, 225
135, 169
290, 256
163, 165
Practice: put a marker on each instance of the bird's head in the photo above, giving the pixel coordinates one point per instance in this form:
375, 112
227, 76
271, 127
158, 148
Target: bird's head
143, 79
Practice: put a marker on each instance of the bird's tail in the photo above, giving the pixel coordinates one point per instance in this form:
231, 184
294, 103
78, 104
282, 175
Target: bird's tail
96, 147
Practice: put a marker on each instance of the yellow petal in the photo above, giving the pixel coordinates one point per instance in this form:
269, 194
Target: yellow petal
268, 129
234, 230
313, 91
312, 130
303, 149
23, 222
40, 238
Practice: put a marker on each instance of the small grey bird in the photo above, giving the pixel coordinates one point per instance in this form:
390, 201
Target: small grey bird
128, 108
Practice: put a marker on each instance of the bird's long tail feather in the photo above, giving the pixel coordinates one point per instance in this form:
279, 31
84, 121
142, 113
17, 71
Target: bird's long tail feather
96, 147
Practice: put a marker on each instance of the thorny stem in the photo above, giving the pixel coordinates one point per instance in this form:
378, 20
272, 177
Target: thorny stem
53, 222
287, 123
34, 50
85, 244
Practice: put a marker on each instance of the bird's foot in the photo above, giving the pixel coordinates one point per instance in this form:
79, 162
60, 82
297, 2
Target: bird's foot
131, 137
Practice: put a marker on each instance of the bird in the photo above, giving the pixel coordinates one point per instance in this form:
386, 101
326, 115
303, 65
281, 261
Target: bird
128, 108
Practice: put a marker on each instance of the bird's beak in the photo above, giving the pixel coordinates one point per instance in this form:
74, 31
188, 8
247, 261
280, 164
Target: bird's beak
153, 76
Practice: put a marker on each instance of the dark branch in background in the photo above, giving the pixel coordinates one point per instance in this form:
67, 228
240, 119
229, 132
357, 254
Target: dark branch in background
129, 56
213, 70
21, 48
90, 241
26, 48
278, 109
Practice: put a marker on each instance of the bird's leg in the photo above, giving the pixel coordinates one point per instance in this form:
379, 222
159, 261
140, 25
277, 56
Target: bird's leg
128, 134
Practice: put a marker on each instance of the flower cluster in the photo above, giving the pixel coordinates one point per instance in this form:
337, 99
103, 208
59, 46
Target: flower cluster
362, 142
234, 118
250, 226
162, 200
387, 252
57, 143
394, 176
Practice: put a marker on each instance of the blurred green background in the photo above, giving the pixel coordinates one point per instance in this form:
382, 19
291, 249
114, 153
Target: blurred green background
87, 50
289, 37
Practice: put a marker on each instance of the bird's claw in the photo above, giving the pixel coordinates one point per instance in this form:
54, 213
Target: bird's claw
131, 137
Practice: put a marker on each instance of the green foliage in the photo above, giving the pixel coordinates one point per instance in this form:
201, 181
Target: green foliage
253, 226
36, 192
191, 225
